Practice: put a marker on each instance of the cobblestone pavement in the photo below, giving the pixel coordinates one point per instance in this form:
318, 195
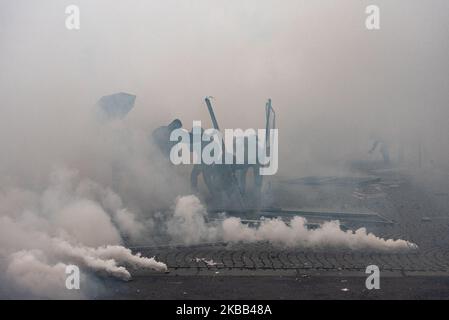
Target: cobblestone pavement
255, 258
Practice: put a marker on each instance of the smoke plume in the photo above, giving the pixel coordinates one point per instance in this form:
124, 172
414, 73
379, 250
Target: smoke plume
188, 225
73, 190
73, 221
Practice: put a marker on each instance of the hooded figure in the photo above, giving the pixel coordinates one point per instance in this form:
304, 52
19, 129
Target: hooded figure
161, 136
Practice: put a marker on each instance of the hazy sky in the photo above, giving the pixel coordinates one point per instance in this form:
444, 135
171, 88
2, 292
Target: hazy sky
333, 82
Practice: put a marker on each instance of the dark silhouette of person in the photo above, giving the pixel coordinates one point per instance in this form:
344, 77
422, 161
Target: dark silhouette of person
161, 136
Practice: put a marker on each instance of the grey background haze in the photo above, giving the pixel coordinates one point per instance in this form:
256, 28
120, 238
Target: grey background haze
334, 84
69, 183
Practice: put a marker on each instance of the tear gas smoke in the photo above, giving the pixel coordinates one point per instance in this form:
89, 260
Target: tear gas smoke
73, 221
76, 191
189, 226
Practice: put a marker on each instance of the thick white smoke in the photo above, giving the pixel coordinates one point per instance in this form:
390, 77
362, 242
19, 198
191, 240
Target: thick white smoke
170, 54
72, 221
188, 225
